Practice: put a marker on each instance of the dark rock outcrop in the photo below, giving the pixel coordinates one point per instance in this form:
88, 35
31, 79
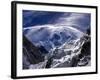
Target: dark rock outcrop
85, 56
32, 53
86, 49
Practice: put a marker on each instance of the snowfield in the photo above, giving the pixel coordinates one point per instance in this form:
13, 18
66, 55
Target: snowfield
63, 45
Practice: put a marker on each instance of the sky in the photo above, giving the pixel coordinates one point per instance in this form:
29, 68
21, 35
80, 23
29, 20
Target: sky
33, 18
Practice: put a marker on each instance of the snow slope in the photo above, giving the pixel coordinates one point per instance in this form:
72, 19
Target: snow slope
63, 43
51, 36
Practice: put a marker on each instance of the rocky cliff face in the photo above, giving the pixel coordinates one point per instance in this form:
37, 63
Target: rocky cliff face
31, 54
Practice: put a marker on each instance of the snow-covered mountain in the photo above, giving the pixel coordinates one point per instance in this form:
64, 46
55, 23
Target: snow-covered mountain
51, 36
63, 45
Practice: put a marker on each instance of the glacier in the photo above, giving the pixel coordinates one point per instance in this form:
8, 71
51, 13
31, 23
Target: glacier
57, 45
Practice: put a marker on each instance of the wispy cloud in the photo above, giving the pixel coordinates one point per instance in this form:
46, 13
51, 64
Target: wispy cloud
78, 20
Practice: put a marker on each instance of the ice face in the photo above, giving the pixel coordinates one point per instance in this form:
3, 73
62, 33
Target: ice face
51, 36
